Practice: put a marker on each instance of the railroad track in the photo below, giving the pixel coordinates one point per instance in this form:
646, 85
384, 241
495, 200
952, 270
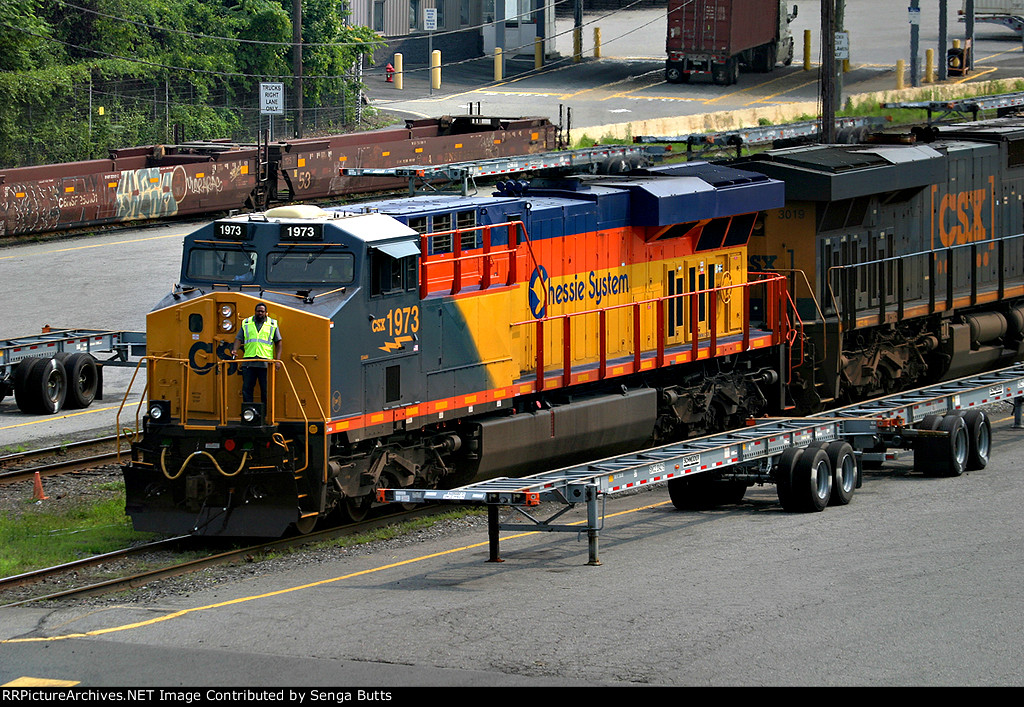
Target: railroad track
70, 573
62, 459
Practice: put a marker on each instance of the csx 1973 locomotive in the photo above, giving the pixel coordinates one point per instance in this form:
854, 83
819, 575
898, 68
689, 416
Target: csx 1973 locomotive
434, 340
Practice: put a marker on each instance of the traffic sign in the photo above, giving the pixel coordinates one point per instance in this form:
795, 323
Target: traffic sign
272, 98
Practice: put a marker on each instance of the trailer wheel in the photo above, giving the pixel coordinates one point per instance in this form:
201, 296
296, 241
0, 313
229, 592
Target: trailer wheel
83, 380
784, 476
846, 473
40, 385
925, 449
951, 456
812, 481
674, 74
979, 438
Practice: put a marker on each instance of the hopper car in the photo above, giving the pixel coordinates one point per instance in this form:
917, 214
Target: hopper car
432, 341
166, 181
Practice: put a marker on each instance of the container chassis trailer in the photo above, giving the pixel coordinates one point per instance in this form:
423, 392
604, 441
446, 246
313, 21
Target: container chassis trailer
813, 462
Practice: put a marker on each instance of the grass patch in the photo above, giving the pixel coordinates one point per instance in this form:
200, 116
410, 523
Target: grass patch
43, 537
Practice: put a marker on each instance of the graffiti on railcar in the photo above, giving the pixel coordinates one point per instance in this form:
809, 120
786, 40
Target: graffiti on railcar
30, 207
146, 193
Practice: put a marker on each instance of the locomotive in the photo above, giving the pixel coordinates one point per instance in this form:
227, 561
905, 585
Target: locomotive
432, 340
435, 340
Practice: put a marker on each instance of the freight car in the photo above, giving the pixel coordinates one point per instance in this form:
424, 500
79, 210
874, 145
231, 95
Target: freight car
432, 340
164, 181
906, 260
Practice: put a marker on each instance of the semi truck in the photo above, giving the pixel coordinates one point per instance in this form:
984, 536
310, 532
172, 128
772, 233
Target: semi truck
717, 37
1008, 13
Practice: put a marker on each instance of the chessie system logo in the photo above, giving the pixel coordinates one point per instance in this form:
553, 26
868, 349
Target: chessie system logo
593, 287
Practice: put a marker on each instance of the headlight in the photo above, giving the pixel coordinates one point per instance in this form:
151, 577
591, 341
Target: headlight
226, 324
248, 415
156, 412
226, 310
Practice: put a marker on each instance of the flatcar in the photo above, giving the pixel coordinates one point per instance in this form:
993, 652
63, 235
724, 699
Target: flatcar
433, 340
166, 181
905, 256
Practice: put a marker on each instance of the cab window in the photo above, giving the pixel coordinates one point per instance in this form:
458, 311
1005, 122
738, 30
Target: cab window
310, 268
220, 265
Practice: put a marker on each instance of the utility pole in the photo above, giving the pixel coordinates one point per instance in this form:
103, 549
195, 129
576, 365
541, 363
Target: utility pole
828, 72
915, 32
297, 62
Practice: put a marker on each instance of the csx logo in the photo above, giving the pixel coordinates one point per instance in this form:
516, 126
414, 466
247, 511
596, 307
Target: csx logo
201, 349
961, 217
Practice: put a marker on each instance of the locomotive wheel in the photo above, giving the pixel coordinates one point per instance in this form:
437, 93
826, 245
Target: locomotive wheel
846, 475
812, 481
305, 526
979, 438
40, 385
83, 379
356, 509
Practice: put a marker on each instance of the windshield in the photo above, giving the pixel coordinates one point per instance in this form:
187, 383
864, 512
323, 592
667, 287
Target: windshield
221, 265
310, 268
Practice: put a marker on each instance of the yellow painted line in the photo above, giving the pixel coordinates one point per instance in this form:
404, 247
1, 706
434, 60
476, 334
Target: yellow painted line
762, 99
976, 75
289, 590
51, 418
96, 245
40, 682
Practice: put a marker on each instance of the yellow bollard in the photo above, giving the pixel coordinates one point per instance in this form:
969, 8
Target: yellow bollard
597, 42
577, 45
929, 66
497, 64
538, 53
399, 78
899, 74
807, 50
435, 69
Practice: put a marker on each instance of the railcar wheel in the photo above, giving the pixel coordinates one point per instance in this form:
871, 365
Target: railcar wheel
812, 481
40, 385
951, 459
979, 437
83, 380
846, 473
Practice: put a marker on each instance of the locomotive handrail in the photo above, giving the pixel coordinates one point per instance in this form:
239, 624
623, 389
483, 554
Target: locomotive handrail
776, 322
458, 258
844, 278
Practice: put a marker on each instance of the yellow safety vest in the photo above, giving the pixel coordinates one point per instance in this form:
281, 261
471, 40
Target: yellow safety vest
258, 343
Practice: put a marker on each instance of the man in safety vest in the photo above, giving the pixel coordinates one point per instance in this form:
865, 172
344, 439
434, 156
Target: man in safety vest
258, 337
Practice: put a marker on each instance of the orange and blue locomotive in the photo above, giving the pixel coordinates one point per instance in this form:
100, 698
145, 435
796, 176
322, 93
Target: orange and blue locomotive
433, 340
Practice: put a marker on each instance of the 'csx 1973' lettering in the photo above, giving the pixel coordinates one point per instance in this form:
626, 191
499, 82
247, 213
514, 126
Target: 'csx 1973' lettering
960, 217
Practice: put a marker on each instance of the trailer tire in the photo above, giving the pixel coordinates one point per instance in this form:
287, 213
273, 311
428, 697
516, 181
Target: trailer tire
845, 470
979, 437
44, 386
674, 74
812, 481
925, 449
83, 380
784, 476
951, 457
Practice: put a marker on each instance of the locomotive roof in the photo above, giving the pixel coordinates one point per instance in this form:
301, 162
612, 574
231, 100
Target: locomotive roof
833, 172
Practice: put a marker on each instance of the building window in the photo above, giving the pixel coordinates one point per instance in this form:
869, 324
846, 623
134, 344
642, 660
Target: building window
414, 14
439, 6
378, 16
463, 12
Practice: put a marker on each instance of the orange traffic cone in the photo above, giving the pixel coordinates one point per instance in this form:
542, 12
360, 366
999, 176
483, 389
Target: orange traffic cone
37, 489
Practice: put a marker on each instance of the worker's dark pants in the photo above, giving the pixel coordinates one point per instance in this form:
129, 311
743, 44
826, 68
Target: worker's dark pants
251, 374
